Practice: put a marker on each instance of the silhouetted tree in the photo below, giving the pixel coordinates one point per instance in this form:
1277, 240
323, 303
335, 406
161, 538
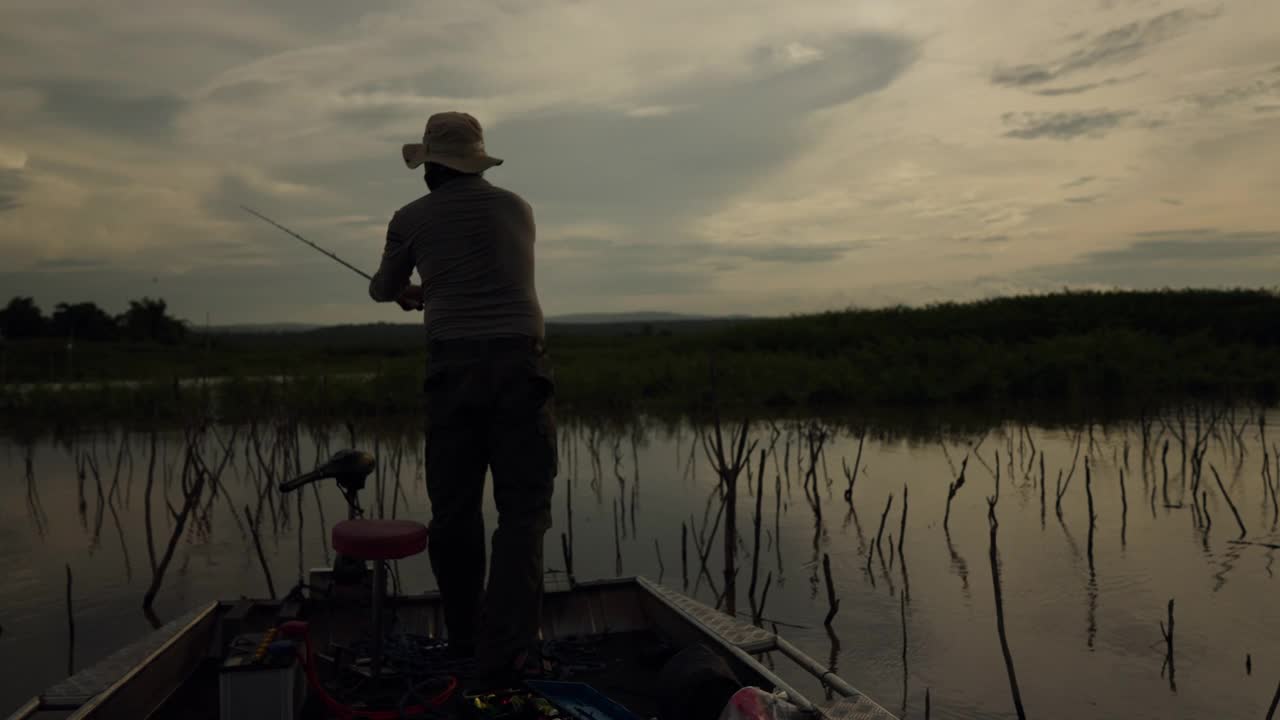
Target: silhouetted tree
148, 319
22, 318
83, 321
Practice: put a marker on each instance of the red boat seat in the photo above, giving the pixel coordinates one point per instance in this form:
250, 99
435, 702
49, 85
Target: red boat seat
379, 539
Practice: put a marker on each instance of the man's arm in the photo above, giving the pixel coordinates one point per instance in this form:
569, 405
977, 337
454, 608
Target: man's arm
395, 269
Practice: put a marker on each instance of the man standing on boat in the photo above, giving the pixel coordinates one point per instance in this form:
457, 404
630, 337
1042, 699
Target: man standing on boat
489, 388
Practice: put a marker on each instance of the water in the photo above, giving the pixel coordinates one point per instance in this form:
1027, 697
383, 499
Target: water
1084, 635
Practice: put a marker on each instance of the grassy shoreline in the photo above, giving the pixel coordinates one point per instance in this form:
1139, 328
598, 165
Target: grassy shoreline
1092, 353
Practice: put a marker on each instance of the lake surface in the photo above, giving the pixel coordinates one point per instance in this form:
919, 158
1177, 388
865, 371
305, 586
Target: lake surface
1082, 609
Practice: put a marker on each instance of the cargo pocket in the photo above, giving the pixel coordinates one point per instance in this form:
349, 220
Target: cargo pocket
543, 378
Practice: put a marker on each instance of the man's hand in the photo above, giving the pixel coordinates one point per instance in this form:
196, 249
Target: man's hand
410, 298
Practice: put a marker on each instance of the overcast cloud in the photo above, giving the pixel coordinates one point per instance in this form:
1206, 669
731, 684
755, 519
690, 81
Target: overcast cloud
729, 156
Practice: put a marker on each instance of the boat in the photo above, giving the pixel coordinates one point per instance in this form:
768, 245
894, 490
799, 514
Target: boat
611, 640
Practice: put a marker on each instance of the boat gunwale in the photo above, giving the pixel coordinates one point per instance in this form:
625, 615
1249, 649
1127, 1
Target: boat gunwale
183, 634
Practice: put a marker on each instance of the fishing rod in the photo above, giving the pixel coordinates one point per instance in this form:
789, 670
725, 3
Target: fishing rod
346, 264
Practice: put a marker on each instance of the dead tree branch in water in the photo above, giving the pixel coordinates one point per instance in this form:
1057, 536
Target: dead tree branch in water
1275, 702
729, 461
883, 516
994, 524
851, 476
1230, 504
952, 489
757, 521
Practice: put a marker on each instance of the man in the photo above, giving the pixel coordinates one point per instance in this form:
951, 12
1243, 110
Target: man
488, 388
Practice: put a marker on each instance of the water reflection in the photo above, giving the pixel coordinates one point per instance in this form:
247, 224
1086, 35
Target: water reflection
201, 502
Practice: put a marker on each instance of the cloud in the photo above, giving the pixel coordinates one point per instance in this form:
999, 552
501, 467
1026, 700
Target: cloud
596, 162
1116, 46
1063, 125
11, 186
69, 264
1264, 87
1085, 199
789, 254
12, 158
1192, 257
1083, 88
105, 107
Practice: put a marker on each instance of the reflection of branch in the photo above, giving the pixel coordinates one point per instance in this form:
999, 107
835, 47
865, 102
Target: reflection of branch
257, 546
617, 546
189, 502
1275, 701
905, 667
961, 567
661, 568
1167, 632
1042, 481
833, 602
902, 544
146, 502
568, 558
1124, 510
757, 522
71, 628
34, 507
684, 556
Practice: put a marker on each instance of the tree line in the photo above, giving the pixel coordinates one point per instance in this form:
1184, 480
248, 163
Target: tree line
145, 320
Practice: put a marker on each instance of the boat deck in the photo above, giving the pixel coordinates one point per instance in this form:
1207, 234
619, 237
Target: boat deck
611, 620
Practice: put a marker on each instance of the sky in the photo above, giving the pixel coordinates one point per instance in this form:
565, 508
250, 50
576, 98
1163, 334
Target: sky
720, 156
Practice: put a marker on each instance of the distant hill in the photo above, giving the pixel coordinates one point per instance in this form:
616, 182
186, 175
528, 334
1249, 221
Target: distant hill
257, 328
632, 318
389, 336
627, 318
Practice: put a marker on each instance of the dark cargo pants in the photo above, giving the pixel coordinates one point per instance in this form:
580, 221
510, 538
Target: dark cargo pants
490, 406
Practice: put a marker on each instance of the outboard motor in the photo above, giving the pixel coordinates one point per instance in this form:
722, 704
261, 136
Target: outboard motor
349, 469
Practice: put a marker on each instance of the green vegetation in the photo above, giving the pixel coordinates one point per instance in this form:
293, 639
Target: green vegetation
1096, 352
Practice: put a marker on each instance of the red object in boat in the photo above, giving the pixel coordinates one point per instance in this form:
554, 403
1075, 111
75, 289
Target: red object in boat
379, 539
